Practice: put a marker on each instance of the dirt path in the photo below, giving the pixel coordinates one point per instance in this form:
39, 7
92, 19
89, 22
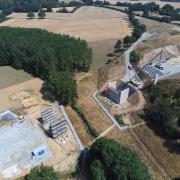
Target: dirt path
105, 132
147, 153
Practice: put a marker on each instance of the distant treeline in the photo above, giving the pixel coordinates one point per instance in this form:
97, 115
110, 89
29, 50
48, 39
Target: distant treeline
25, 5
50, 56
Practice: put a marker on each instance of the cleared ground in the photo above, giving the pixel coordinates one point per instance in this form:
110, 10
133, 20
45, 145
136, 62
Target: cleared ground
17, 143
89, 23
10, 76
25, 98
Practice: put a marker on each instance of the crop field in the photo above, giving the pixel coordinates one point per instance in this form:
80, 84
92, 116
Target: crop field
10, 76
89, 23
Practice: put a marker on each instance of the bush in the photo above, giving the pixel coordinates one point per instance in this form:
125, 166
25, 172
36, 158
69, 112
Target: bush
134, 58
42, 14
30, 15
42, 173
119, 120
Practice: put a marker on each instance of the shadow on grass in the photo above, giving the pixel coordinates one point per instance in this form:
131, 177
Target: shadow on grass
172, 143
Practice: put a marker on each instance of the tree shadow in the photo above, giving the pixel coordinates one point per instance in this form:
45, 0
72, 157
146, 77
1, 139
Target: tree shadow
172, 143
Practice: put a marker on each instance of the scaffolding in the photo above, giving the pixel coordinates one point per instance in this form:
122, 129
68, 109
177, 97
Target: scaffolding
58, 127
57, 123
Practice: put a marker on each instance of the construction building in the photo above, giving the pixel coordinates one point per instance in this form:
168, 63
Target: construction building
118, 93
55, 120
58, 127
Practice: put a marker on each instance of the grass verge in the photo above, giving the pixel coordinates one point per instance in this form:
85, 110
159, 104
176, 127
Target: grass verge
90, 129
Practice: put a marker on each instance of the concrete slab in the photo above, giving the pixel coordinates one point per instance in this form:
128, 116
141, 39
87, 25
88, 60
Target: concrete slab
17, 142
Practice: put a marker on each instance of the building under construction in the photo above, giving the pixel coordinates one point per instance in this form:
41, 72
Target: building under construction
117, 92
55, 120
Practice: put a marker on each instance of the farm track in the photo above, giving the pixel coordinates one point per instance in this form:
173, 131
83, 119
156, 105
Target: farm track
148, 153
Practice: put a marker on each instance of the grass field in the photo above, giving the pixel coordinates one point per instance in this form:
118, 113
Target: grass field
169, 160
95, 115
100, 51
10, 76
88, 22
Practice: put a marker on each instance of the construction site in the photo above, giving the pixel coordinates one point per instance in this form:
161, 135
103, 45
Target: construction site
34, 131
161, 63
119, 96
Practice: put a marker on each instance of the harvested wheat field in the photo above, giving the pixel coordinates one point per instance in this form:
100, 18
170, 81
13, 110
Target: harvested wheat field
89, 23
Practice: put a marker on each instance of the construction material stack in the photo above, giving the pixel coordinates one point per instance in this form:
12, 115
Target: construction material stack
57, 125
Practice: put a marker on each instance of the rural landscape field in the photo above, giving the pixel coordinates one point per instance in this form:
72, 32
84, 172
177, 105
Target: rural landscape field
89, 94
88, 23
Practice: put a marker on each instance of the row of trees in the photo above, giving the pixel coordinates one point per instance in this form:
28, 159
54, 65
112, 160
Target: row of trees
138, 30
25, 5
164, 107
169, 11
51, 57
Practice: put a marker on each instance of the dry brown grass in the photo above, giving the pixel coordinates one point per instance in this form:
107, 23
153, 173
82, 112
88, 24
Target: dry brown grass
89, 23
95, 115
169, 161
111, 72
100, 51
163, 39
125, 138
79, 126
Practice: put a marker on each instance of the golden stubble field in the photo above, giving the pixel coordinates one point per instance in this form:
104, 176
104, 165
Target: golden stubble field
89, 23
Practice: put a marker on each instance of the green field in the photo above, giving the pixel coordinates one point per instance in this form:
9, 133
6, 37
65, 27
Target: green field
10, 76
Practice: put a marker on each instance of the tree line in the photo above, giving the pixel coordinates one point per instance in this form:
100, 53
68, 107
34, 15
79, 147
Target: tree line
169, 12
51, 57
138, 30
25, 5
